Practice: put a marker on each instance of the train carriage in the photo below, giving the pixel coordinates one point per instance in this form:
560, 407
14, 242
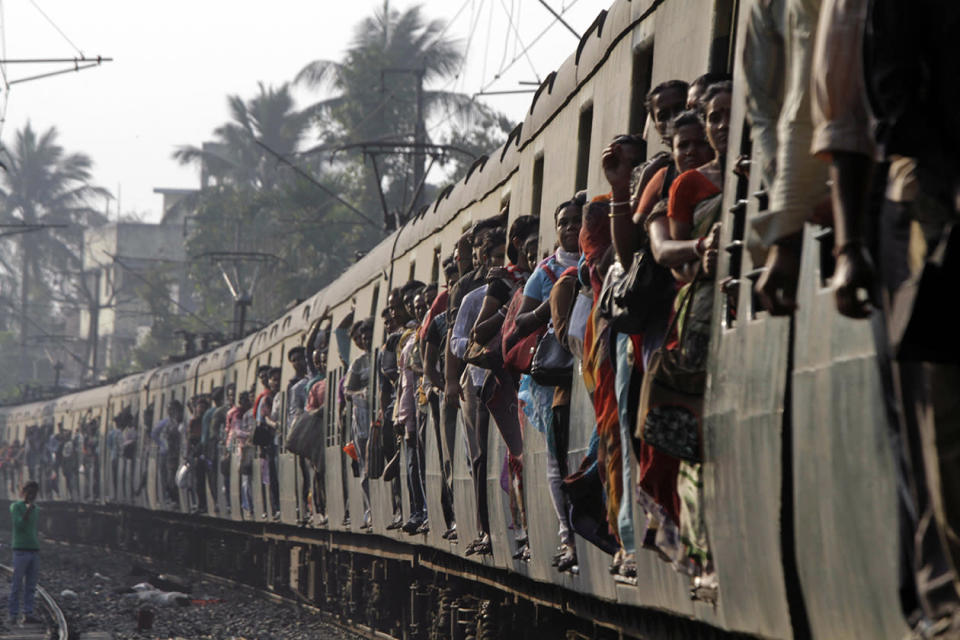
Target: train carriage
798, 479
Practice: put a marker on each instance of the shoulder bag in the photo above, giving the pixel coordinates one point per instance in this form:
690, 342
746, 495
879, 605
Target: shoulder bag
670, 415
552, 364
518, 352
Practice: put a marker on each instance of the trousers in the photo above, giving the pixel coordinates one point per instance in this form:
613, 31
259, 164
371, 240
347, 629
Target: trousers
476, 419
25, 568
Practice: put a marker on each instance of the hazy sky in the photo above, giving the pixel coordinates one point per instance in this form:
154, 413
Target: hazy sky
176, 61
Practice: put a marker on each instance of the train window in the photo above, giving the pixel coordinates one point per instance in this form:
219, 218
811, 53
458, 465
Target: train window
640, 86
738, 217
537, 185
584, 131
724, 27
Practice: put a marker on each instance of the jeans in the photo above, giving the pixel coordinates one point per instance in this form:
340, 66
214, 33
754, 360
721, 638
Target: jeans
414, 457
622, 386
25, 567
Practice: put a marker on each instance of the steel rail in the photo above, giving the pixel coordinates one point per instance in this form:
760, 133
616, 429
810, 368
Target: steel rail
63, 631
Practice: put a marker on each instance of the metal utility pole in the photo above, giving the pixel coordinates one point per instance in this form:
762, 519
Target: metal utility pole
420, 139
419, 132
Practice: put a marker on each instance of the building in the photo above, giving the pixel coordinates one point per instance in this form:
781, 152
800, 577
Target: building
123, 266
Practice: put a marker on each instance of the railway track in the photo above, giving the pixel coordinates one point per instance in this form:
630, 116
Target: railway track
55, 625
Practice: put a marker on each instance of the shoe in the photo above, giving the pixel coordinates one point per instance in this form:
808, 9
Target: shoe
346, 521
366, 526
453, 537
628, 568
424, 528
396, 524
522, 553
480, 546
31, 620
567, 558
616, 562
263, 516
322, 520
276, 516
411, 526
452, 531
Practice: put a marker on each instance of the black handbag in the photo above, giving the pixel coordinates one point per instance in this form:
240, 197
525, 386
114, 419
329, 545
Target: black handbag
552, 364
263, 436
629, 299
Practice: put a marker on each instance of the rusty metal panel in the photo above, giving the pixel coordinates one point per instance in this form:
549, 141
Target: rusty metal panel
845, 494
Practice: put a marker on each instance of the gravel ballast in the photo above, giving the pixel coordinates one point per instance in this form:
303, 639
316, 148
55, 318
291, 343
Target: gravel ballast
224, 611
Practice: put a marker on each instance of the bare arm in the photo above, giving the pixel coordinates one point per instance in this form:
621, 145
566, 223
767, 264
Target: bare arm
533, 314
430, 356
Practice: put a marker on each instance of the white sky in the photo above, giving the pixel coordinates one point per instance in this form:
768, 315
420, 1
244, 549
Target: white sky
176, 61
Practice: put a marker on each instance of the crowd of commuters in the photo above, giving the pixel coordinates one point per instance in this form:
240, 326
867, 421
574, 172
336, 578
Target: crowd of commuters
628, 290
50, 454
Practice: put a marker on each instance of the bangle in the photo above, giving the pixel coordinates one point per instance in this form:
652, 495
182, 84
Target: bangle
619, 214
619, 204
698, 248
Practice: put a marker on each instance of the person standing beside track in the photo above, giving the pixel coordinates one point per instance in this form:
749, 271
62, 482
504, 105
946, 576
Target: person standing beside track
26, 545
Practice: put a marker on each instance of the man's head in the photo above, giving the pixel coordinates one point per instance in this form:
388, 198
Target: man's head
175, 410
273, 379
665, 101
231, 393
217, 396
244, 401
202, 403
633, 147
362, 334
463, 254
29, 491
263, 371
398, 312
409, 292
493, 249
520, 230
699, 87
450, 271
298, 358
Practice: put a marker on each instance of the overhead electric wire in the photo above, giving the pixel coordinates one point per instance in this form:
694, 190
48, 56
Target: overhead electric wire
130, 270
333, 194
54, 25
516, 32
47, 334
527, 47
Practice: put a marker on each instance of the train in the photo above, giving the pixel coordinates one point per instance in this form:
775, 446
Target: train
799, 472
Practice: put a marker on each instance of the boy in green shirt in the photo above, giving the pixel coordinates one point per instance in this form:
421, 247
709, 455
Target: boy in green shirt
26, 545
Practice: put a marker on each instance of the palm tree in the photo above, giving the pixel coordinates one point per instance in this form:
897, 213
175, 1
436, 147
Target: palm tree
235, 157
45, 185
375, 89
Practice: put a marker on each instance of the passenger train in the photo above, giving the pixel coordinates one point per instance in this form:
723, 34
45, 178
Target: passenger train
799, 473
